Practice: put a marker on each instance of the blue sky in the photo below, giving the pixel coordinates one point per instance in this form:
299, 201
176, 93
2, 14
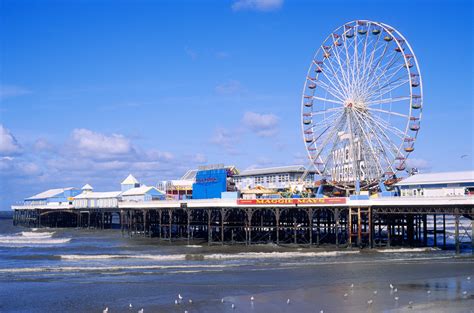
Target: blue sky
93, 90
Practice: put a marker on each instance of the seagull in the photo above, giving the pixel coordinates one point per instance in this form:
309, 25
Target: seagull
370, 302
288, 301
428, 292
395, 290
345, 295
190, 301
176, 301
222, 300
410, 304
375, 292
322, 311
141, 310
106, 310
391, 286
180, 297
352, 285
396, 298
468, 277
185, 311
233, 306
252, 298
464, 293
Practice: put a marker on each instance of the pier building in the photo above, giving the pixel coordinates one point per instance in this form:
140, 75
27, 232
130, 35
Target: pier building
142, 193
281, 178
177, 189
56, 196
444, 184
212, 181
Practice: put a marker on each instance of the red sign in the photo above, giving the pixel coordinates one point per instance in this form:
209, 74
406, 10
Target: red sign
292, 201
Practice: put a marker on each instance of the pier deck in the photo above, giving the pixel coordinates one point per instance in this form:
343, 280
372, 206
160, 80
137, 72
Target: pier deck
375, 222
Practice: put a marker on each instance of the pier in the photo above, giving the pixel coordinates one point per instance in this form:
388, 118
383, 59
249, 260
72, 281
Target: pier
341, 222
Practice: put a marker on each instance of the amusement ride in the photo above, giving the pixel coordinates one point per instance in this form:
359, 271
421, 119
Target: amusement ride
361, 105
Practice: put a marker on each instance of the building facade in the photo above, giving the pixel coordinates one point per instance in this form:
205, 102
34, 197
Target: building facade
437, 184
275, 178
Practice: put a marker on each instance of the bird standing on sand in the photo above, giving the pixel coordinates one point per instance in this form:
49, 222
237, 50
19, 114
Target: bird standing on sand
130, 306
396, 298
428, 292
468, 277
370, 302
395, 290
141, 310
352, 286
375, 292
176, 301
233, 306
345, 295
288, 301
410, 304
106, 310
190, 301
464, 293
391, 286
222, 300
180, 297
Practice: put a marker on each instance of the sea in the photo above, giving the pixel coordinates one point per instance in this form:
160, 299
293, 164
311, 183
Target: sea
80, 270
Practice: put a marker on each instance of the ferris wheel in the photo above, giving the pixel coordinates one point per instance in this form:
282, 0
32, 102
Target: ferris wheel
361, 104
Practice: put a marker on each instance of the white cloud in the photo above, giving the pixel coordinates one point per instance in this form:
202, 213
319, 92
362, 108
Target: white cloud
200, 158
261, 162
264, 125
9, 91
226, 139
43, 144
8, 143
17, 168
230, 87
191, 53
420, 164
257, 5
99, 146
222, 55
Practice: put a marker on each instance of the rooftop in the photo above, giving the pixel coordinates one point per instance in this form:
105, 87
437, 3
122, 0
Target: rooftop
130, 180
87, 187
190, 175
98, 195
438, 178
49, 193
274, 170
138, 191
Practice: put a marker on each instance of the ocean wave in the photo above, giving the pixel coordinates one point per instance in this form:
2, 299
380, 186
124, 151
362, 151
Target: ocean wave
105, 269
31, 234
27, 238
24, 241
169, 257
278, 255
201, 257
400, 250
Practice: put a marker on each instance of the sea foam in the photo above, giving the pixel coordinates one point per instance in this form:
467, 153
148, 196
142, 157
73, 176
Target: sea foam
26, 239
